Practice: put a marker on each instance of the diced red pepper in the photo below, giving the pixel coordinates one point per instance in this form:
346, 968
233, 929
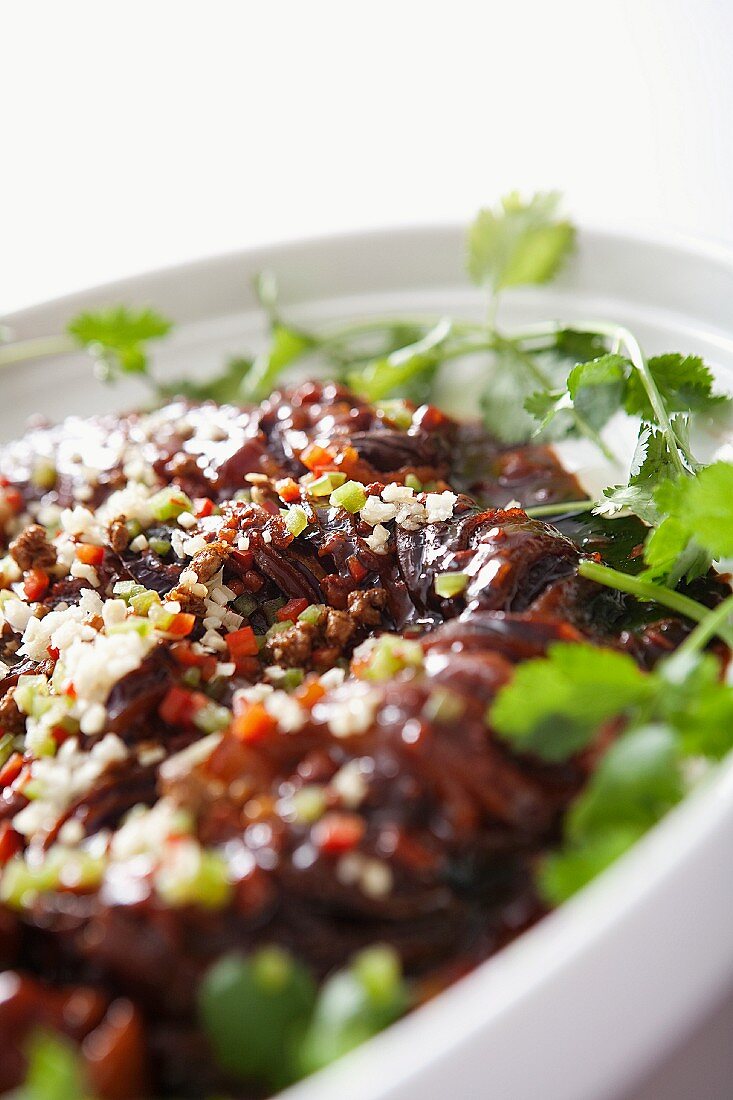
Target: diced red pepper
429, 418
337, 833
184, 655
241, 643
357, 570
292, 609
182, 624
10, 842
288, 490
243, 559
309, 693
59, 734
350, 464
54, 652
315, 457
249, 668
35, 584
187, 657
202, 507
180, 705
13, 498
89, 554
11, 769
253, 724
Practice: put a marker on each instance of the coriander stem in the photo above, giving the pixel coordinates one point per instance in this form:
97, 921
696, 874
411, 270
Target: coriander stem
340, 333
620, 335
638, 359
652, 593
560, 508
712, 624
37, 348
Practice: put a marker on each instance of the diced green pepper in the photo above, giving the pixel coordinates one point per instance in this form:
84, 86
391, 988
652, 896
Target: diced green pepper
309, 803
125, 590
161, 547
277, 628
350, 495
312, 614
44, 474
296, 520
211, 718
204, 883
29, 692
391, 655
448, 585
7, 742
142, 602
169, 503
396, 411
324, 485
244, 605
270, 608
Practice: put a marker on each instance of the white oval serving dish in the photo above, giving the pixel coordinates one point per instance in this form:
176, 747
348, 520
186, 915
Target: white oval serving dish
587, 1002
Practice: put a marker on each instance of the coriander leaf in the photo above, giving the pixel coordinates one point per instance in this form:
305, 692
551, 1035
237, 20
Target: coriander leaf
391, 375
705, 505
554, 705
544, 405
699, 706
579, 347
503, 401
518, 242
597, 388
286, 345
685, 384
511, 400
353, 1005
254, 1010
671, 554
698, 523
568, 871
651, 465
117, 338
636, 782
224, 388
569, 347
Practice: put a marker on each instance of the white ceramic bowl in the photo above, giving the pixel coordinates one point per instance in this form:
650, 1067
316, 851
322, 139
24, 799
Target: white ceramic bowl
587, 1002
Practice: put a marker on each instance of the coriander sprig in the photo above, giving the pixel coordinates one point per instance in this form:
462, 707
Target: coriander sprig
676, 721
647, 591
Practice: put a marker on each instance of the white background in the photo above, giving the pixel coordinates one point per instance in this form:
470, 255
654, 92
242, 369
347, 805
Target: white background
139, 134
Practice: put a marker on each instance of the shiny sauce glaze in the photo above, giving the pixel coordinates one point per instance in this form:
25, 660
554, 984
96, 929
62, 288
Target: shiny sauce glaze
350, 787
